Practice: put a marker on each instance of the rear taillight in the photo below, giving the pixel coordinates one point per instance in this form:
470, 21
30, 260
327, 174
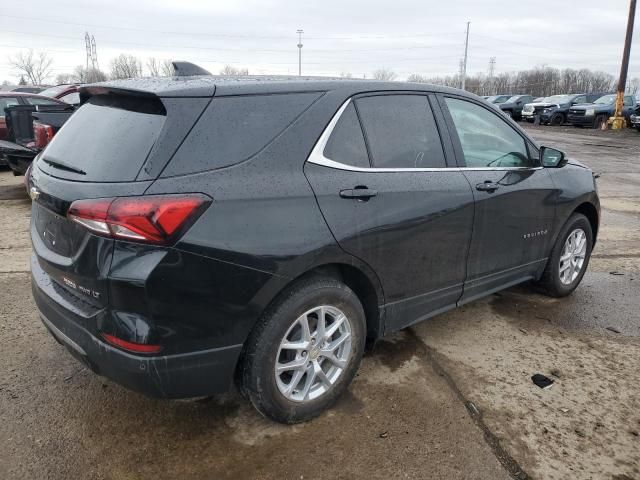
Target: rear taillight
131, 346
158, 219
42, 135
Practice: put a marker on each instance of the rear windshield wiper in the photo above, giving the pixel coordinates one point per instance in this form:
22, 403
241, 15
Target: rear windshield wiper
64, 166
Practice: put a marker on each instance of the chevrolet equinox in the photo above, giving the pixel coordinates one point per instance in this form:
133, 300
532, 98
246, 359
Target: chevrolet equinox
193, 231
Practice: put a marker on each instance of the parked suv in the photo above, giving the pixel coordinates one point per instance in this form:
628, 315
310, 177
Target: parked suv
514, 105
595, 114
553, 110
189, 231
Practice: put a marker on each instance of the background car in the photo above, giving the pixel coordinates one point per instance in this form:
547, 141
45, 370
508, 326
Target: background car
595, 114
66, 92
514, 105
498, 99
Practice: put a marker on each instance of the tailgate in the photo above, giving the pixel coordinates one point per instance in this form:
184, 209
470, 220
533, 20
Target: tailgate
76, 260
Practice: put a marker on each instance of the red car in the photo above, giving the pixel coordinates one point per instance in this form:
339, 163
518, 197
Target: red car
8, 99
67, 92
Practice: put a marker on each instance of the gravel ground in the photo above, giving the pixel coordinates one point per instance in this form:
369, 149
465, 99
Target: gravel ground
450, 398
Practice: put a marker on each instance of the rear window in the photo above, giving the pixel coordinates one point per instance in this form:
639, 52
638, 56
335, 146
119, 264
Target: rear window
233, 129
107, 138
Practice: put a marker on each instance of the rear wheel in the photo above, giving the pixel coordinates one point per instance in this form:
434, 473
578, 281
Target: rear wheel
508, 113
305, 351
600, 120
569, 257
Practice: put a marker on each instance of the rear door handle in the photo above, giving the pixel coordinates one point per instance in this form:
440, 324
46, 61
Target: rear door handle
358, 193
487, 186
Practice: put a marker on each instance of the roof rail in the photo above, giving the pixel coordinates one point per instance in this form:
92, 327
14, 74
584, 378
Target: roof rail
188, 69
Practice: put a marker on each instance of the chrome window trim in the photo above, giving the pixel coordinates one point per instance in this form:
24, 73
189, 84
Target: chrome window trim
317, 156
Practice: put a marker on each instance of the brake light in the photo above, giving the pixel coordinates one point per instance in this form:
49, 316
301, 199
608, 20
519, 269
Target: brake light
130, 346
157, 219
42, 135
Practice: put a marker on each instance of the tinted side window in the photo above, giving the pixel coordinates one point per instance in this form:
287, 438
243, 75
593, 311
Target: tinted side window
487, 141
629, 101
401, 131
346, 144
233, 129
580, 99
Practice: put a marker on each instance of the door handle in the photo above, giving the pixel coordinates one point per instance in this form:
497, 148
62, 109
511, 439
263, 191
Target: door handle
487, 186
358, 193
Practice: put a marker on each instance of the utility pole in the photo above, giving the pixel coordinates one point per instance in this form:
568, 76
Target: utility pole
464, 65
299, 32
492, 69
618, 121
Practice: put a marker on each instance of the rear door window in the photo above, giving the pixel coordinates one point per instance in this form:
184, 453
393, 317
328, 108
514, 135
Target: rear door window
401, 131
235, 128
106, 139
346, 143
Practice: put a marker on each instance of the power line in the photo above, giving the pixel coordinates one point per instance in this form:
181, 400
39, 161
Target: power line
224, 35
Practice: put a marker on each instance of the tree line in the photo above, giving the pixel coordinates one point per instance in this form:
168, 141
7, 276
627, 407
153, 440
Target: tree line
540, 81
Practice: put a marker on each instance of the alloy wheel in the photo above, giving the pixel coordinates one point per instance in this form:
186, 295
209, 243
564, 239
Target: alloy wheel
573, 256
313, 353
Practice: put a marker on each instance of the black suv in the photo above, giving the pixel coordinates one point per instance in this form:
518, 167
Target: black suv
514, 105
190, 231
595, 114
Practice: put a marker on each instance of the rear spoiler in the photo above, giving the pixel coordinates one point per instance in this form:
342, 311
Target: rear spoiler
188, 69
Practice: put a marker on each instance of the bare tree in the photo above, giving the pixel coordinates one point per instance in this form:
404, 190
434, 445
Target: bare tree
65, 78
384, 74
153, 65
37, 67
126, 66
91, 75
417, 78
166, 68
231, 71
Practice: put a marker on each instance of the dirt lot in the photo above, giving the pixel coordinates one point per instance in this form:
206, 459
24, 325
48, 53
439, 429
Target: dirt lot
451, 398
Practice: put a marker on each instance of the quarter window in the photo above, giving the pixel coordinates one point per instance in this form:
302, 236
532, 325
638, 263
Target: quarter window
401, 131
346, 144
487, 141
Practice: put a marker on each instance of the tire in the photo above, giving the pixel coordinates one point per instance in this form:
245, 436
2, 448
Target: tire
599, 121
551, 280
272, 393
508, 113
557, 119
638, 128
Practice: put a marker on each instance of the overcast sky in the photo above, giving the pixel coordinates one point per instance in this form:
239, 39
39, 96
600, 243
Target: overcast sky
356, 36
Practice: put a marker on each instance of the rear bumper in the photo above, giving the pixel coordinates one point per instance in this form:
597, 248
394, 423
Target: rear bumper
183, 375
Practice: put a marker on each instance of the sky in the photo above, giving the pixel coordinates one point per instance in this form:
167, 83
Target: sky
340, 36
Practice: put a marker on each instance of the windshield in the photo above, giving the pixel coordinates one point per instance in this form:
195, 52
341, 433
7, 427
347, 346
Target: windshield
498, 98
53, 91
515, 98
606, 100
557, 99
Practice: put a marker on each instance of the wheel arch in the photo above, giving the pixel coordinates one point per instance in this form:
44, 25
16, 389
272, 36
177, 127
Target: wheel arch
591, 212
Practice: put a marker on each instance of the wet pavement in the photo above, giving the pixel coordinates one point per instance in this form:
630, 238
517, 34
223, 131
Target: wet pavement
449, 398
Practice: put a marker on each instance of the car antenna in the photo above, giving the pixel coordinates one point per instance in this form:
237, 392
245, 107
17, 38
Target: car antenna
188, 69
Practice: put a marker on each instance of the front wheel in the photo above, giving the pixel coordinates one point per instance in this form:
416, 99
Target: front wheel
557, 119
569, 257
305, 351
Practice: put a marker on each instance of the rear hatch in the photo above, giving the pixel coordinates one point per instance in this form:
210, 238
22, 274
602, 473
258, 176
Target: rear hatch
98, 153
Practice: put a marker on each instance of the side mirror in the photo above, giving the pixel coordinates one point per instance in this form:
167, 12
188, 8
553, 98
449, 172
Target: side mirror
552, 158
